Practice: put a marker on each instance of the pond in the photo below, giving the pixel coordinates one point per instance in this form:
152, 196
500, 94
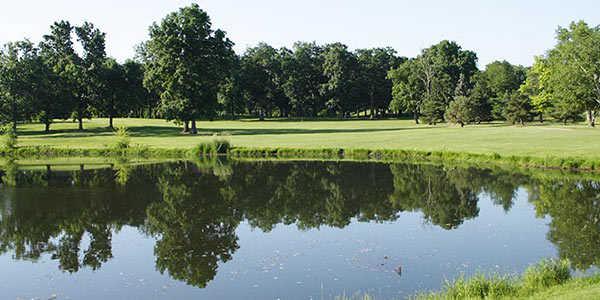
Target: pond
281, 229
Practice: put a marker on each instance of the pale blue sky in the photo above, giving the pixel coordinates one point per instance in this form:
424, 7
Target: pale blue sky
514, 30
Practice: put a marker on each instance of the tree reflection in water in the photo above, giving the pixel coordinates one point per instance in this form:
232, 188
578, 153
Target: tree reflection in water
194, 208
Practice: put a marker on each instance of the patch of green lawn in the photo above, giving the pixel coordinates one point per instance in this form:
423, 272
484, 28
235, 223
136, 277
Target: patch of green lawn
533, 140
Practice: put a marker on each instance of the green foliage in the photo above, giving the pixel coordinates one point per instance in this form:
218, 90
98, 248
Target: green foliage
460, 111
186, 60
303, 72
9, 138
569, 73
341, 70
518, 109
262, 79
213, 148
427, 84
123, 139
546, 274
538, 278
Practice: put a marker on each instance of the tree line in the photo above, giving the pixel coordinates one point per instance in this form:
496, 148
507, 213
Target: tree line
187, 71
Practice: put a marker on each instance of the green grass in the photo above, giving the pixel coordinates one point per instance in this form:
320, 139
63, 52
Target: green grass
544, 145
549, 279
532, 140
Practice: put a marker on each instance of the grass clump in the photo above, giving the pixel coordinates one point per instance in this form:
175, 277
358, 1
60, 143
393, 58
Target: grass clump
546, 274
537, 279
480, 287
215, 147
123, 140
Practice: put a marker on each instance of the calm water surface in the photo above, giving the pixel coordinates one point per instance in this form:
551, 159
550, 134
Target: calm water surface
281, 230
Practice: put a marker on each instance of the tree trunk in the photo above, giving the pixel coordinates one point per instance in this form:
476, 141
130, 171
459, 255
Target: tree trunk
541, 118
47, 130
372, 98
80, 120
194, 130
416, 116
110, 122
14, 116
590, 118
186, 126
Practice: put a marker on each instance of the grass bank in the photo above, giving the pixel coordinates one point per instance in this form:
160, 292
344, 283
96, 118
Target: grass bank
536, 145
550, 279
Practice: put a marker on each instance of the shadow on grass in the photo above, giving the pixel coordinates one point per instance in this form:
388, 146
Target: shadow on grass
163, 131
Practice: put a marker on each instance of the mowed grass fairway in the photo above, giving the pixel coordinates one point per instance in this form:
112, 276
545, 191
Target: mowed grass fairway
532, 140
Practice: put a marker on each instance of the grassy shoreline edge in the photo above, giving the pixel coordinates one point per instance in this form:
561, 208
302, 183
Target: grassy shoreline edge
548, 279
223, 148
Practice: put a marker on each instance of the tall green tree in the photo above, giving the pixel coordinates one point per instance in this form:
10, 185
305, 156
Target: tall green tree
518, 108
375, 85
89, 70
25, 85
262, 80
503, 79
573, 70
188, 59
407, 89
231, 93
114, 98
303, 75
428, 83
341, 88
141, 101
532, 88
58, 52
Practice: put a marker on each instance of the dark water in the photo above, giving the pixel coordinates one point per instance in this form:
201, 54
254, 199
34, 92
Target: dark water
288, 230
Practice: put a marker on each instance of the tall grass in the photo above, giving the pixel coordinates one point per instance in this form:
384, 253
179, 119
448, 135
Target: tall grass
537, 278
217, 146
123, 140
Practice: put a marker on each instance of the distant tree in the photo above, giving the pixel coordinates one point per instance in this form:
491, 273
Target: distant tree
518, 109
57, 51
480, 99
262, 80
114, 99
89, 69
25, 84
407, 89
460, 111
341, 88
187, 60
231, 94
503, 79
532, 88
572, 70
439, 70
141, 101
303, 73
374, 83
